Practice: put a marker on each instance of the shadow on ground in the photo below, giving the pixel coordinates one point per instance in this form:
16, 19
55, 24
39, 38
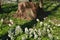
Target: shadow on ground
41, 15
29, 24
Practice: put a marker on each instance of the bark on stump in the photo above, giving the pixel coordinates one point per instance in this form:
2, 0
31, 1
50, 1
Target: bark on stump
27, 10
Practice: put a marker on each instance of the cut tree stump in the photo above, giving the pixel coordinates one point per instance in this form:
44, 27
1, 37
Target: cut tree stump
26, 10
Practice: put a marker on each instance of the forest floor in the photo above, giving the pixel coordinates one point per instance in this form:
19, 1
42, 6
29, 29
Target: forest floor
53, 9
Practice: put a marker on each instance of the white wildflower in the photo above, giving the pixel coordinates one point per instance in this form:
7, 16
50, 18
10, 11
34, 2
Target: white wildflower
51, 29
10, 25
58, 24
23, 38
48, 26
18, 27
57, 37
45, 24
31, 30
26, 36
11, 36
52, 22
44, 18
11, 21
54, 27
43, 32
41, 23
39, 38
50, 36
35, 36
18, 30
37, 20
48, 30
30, 35
2, 20
26, 30
9, 33
35, 30
39, 32
6, 39
49, 21
44, 28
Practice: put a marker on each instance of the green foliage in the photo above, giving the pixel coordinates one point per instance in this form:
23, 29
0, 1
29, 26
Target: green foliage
10, 9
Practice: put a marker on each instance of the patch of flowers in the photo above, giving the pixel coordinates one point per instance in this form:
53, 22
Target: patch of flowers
44, 29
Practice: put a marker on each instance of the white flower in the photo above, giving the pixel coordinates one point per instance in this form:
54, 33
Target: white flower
52, 22
49, 21
48, 30
30, 35
37, 20
18, 30
44, 28
43, 32
10, 25
11, 36
45, 24
11, 21
26, 36
23, 38
39, 38
51, 29
26, 30
31, 30
50, 36
54, 27
48, 26
41, 23
2, 20
58, 24
44, 18
35, 36
39, 32
57, 37
35, 30
6, 39
18, 27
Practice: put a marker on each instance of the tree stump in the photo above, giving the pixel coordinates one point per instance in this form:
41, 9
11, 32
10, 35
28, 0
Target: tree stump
27, 10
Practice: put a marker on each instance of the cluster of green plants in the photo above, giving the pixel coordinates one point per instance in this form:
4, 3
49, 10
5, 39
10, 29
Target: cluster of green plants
41, 30
19, 29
